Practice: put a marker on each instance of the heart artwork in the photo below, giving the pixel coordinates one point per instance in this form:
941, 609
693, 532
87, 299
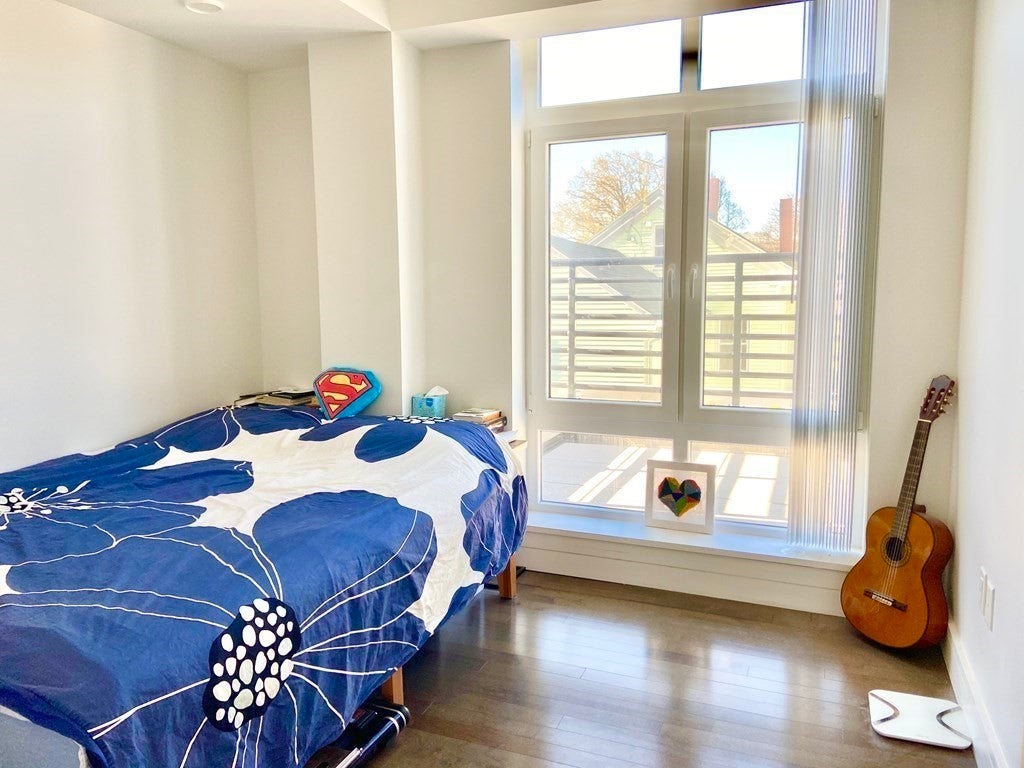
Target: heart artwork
680, 498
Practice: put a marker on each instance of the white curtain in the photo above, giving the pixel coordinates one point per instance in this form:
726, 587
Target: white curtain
834, 250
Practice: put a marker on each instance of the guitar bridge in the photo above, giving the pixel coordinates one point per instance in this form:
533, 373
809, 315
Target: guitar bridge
878, 597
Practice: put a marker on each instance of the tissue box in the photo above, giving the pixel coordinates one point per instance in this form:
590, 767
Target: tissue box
429, 406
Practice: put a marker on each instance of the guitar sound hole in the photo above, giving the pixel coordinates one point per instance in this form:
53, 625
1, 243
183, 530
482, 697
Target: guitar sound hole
896, 551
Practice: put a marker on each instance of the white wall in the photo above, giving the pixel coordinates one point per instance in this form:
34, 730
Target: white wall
412, 267
418, 245
943, 308
413, 167
923, 197
353, 111
990, 532
127, 264
282, 160
468, 224
517, 281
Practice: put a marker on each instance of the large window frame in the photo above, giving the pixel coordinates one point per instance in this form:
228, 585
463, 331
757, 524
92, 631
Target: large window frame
542, 139
686, 118
700, 126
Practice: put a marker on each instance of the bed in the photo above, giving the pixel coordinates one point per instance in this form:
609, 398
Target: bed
228, 589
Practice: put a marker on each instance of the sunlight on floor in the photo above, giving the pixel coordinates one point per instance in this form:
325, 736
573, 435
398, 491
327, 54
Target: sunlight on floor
752, 482
598, 470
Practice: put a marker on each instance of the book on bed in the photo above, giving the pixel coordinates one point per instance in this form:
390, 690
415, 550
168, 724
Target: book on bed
277, 397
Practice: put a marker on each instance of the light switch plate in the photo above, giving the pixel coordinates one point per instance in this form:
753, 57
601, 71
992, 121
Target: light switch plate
990, 603
983, 591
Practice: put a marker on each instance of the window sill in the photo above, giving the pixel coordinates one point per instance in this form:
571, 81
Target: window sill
635, 532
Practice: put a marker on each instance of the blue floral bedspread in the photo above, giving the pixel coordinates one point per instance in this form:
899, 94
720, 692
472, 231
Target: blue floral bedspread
226, 591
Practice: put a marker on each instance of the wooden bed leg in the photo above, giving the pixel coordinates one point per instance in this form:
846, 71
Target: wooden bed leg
507, 580
394, 688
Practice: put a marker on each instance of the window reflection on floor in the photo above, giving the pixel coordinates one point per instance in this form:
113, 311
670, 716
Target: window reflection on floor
752, 482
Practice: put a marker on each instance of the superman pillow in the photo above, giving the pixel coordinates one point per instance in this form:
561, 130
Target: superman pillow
345, 391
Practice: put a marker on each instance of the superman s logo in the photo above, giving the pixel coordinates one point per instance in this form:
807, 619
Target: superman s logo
340, 390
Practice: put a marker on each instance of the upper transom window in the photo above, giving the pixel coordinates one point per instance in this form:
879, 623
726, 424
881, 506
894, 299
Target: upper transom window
620, 63
756, 45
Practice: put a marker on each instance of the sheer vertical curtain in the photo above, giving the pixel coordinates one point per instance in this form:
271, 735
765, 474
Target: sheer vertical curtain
839, 115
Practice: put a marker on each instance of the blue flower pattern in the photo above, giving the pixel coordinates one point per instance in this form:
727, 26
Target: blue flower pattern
227, 590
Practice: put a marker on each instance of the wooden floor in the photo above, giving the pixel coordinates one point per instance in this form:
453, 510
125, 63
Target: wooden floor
587, 674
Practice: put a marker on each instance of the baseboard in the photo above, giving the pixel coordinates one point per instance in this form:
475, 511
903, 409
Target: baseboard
781, 585
988, 752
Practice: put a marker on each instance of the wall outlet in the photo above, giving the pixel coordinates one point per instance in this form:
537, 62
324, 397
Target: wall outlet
990, 602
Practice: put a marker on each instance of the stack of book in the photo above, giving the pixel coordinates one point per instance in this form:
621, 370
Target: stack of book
278, 397
487, 417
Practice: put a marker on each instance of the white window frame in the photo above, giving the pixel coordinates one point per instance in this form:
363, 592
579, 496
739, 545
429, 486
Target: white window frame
543, 404
686, 118
700, 126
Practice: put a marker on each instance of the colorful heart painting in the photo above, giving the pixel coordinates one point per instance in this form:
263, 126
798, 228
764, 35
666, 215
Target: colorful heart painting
680, 498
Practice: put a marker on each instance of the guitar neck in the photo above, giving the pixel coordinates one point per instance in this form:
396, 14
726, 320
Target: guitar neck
911, 479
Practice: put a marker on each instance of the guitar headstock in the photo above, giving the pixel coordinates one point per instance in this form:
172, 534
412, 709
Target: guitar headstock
937, 398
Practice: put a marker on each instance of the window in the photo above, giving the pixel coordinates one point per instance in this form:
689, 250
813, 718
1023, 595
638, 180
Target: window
598, 470
661, 301
757, 45
752, 481
605, 271
626, 62
749, 257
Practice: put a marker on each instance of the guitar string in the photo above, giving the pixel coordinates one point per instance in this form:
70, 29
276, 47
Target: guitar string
908, 492
889, 575
896, 533
901, 524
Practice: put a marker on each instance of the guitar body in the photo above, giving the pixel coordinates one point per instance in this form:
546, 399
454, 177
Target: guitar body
909, 573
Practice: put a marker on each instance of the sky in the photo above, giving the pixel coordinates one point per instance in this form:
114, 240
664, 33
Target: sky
759, 164
759, 45
569, 158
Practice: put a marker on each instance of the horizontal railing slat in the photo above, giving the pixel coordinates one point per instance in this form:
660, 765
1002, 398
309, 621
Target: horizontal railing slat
597, 336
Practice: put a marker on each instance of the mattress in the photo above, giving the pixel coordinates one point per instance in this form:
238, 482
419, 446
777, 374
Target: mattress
226, 590
24, 744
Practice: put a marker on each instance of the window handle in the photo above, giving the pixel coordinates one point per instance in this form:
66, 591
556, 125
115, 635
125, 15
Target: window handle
670, 281
694, 272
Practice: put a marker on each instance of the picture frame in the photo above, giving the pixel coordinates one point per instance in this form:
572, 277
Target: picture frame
680, 496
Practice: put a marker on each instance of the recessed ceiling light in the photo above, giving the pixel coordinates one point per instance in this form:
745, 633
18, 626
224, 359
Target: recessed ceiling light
205, 6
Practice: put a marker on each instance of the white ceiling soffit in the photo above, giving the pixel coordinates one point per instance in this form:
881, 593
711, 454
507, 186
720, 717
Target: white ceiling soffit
249, 34
414, 14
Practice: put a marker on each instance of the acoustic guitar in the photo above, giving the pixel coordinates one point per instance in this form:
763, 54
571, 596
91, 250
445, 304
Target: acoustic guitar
893, 595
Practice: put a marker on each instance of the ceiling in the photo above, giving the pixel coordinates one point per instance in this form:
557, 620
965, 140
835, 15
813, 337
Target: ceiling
266, 34
249, 34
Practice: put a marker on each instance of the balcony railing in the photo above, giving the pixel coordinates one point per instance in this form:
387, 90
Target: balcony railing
607, 323
749, 330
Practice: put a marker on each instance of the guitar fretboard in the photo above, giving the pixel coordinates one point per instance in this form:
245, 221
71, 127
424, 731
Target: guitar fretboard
911, 479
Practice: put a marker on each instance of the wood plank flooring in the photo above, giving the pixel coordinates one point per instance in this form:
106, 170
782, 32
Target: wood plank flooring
591, 675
